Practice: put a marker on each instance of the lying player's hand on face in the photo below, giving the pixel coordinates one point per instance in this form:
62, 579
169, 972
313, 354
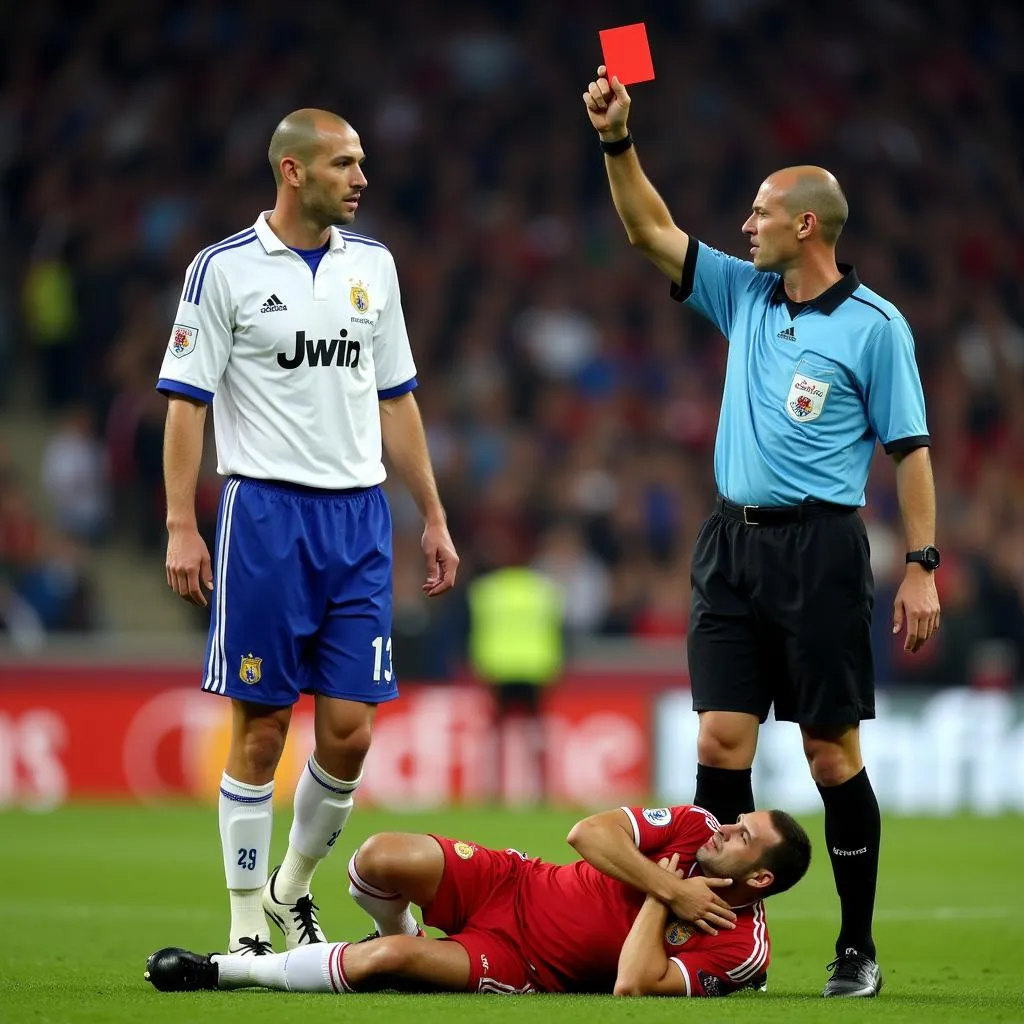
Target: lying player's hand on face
671, 864
697, 902
607, 104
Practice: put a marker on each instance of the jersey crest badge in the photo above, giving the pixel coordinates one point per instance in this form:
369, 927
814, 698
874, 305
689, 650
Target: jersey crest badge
806, 398
249, 671
183, 340
677, 933
463, 850
657, 816
359, 297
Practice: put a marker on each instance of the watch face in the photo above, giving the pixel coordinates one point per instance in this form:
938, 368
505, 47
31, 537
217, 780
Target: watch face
928, 557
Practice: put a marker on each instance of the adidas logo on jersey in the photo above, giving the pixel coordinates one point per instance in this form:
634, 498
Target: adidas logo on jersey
787, 334
273, 305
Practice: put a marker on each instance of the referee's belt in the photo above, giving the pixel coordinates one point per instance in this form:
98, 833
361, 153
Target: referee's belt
779, 515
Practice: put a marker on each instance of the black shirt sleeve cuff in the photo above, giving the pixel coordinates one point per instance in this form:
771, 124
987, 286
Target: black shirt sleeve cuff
905, 445
682, 291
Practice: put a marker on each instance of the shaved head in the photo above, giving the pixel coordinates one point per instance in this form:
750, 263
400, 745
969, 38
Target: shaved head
317, 161
300, 135
816, 190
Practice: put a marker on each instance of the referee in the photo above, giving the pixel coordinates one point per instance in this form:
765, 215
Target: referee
819, 369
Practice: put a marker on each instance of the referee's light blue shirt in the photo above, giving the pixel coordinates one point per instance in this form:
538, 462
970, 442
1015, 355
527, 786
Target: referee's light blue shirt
809, 387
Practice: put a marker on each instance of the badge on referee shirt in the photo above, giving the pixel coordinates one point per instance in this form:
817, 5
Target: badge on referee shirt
806, 397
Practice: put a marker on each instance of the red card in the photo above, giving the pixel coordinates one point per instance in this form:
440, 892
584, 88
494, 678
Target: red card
627, 53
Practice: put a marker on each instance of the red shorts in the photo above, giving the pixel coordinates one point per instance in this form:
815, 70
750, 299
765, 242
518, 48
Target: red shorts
475, 907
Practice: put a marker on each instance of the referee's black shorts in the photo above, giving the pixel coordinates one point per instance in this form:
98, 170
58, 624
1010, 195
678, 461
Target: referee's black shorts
781, 613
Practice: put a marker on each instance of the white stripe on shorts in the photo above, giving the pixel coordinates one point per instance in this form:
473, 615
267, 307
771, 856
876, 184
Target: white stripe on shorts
216, 666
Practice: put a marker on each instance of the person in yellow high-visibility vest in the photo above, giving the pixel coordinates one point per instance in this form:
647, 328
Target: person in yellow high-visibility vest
516, 645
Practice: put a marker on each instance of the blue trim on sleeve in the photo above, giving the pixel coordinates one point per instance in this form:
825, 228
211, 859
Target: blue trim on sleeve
175, 387
209, 249
246, 239
401, 389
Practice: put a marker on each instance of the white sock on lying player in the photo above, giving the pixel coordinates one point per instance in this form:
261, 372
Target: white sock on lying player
390, 913
314, 968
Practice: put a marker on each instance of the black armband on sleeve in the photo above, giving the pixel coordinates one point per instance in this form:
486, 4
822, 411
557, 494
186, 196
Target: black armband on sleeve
906, 445
682, 291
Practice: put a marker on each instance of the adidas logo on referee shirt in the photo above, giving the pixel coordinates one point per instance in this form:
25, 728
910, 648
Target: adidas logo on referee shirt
787, 334
273, 305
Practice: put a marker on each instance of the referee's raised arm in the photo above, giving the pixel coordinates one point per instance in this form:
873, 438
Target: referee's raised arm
644, 215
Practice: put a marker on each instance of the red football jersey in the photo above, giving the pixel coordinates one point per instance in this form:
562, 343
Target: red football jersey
574, 919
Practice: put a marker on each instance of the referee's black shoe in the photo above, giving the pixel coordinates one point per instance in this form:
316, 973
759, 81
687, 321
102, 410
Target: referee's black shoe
854, 975
173, 969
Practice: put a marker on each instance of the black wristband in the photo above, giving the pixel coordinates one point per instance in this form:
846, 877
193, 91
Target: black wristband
618, 146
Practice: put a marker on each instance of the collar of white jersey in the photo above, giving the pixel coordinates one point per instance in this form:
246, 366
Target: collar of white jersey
271, 243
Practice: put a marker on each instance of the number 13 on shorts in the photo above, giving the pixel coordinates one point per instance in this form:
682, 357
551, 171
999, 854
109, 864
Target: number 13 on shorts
382, 654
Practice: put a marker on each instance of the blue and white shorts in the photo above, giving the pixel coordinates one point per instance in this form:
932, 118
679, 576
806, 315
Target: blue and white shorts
302, 595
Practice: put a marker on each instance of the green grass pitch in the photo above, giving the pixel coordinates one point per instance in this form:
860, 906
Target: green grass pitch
88, 891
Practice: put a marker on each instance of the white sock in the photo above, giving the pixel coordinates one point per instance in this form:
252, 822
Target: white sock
234, 968
322, 806
317, 968
246, 816
390, 913
314, 968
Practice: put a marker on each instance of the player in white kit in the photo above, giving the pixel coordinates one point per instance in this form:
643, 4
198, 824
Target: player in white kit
293, 329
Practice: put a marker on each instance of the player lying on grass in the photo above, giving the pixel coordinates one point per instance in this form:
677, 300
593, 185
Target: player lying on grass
665, 901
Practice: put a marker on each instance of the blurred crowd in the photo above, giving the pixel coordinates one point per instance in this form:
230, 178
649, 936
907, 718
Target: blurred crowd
571, 405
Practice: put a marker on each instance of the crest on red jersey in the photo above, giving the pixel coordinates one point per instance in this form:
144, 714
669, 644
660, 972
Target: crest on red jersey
657, 816
677, 933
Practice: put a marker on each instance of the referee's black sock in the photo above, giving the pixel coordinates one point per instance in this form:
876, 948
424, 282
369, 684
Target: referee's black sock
853, 831
725, 792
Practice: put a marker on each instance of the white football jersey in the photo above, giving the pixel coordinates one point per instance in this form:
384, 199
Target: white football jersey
294, 365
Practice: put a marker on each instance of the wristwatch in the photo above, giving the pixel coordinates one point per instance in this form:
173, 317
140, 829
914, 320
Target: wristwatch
927, 557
